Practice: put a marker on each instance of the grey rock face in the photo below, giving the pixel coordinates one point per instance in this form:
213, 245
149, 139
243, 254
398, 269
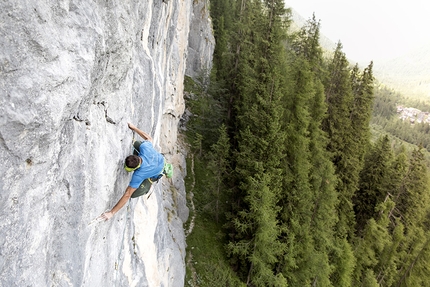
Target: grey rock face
72, 74
201, 41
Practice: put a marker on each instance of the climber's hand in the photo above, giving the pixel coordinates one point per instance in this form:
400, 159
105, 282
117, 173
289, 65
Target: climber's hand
131, 126
106, 216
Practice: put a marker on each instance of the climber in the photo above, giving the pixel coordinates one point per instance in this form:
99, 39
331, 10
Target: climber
145, 163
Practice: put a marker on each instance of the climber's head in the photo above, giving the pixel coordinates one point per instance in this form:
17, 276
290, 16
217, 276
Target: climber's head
132, 162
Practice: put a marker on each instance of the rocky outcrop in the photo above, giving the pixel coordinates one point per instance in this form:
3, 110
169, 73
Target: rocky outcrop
200, 47
73, 73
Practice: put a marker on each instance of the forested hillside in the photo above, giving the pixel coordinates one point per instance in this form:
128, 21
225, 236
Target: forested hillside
289, 187
413, 129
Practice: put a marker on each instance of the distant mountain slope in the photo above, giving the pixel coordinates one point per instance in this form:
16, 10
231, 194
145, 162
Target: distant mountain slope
408, 74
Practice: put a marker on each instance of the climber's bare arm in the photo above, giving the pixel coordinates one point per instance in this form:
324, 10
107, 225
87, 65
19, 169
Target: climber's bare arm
144, 135
127, 194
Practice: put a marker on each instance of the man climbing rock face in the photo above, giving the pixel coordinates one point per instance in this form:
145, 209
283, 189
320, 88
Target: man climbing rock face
145, 163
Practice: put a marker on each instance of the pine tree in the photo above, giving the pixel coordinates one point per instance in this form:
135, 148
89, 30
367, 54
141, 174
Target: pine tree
306, 44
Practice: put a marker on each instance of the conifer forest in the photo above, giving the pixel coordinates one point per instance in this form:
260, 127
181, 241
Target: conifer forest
299, 180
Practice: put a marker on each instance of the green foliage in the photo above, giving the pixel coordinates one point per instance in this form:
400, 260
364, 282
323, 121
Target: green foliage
413, 266
384, 105
385, 116
203, 123
254, 246
369, 279
219, 167
413, 197
346, 138
370, 247
290, 191
206, 242
361, 110
393, 241
302, 198
375, 179
343, 258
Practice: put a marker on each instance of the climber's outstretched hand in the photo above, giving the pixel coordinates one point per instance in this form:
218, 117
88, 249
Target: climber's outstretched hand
106, 216
131, 126
144, 135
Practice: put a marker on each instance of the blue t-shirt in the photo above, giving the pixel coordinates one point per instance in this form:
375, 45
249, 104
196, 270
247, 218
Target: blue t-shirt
152, 164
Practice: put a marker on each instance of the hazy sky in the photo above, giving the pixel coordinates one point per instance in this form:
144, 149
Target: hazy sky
370, 29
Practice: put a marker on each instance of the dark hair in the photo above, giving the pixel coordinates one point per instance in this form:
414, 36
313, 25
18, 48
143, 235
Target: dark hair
132, 161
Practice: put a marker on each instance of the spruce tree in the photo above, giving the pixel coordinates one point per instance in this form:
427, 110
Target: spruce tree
361, 110
219, 167
297, 197
254, 246
369, 248
321, 174
414, 197
342, 257
417, 273
309, 197
375, 179
222, 13
412, 201
342, 143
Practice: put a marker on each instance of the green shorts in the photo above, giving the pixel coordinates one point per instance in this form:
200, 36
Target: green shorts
143, 189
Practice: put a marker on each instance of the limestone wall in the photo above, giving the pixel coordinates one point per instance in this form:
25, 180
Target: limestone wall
73, 73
